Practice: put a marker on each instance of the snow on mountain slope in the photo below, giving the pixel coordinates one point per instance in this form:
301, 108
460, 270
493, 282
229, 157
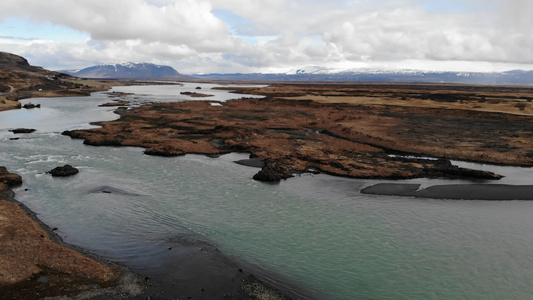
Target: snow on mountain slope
308, 70
317, 73
129, 71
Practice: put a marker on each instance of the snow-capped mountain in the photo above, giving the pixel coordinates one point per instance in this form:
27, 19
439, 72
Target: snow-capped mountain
308, 70
316, 73
128, 71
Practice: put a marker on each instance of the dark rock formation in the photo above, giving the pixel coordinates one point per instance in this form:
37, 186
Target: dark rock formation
71, 133
64, 171
118, 103
22, 130
163, 151
196, 95
444, 167
31, 105
498, 192
272, 173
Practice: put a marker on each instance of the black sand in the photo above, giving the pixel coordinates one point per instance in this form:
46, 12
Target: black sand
252, 162
455, 191
192, 269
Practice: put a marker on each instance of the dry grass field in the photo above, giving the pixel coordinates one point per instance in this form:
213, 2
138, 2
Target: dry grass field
341, 129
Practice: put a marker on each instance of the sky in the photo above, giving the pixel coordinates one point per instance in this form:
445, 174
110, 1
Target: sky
245, 36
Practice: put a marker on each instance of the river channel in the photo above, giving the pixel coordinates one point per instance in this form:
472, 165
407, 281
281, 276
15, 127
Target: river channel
316, 231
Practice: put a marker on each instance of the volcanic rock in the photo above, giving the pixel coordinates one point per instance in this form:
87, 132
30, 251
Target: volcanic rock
31, 105
64, 171
163, 151
197, 95
22, 130
271, 174
118, 103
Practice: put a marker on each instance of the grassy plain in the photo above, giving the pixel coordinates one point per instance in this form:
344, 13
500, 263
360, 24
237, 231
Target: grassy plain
350, 129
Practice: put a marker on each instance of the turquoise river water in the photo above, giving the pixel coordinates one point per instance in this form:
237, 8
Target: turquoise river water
316, 231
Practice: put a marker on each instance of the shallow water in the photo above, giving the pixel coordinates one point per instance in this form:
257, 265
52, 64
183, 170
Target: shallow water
314, 230
138, 94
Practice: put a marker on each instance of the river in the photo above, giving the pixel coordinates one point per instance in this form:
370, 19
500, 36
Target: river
316, 231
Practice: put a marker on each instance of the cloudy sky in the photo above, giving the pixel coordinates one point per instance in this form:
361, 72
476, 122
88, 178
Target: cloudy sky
227, 36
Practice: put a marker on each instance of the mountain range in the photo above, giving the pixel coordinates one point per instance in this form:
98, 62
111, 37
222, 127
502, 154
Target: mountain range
309, 73
315, 73
128, 71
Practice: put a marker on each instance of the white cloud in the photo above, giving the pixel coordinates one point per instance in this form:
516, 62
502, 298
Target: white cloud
256, 35
186, 22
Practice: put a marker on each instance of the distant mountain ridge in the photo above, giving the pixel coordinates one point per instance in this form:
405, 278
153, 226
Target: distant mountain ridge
315, 73
128, 71
307, 73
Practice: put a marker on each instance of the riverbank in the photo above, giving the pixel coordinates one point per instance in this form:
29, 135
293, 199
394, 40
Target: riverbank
195, 268
34, 263
19, 80
68, 87
38, 264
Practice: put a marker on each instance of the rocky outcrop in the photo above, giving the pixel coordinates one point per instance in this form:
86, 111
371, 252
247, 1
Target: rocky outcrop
10, 179
112, 104
272, 172
22, 130
64, 171
445, 168
163, 151
197, 95
31, 105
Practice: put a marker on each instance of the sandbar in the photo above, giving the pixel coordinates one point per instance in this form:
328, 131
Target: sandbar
499, 192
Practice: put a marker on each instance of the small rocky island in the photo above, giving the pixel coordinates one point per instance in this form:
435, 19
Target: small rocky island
22, 130
196, 95
63, 171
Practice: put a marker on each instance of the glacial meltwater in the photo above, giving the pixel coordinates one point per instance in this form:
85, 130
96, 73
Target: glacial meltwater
317, 232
